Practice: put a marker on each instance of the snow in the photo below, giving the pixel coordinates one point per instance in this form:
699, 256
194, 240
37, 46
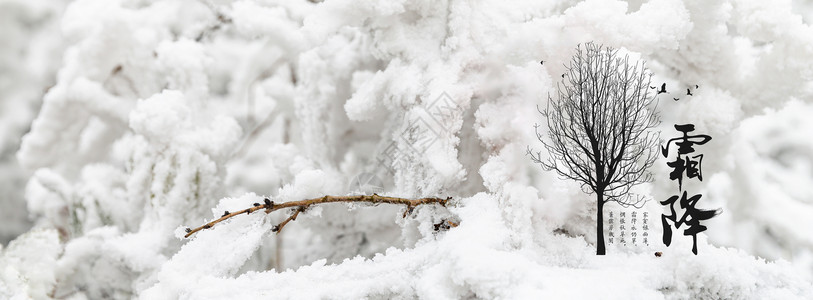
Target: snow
124, 122
28, 265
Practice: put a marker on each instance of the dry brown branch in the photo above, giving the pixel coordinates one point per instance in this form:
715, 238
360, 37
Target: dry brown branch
278, 228
301, 205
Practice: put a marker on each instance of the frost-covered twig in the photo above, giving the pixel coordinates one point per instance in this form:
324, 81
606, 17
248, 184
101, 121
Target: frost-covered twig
301, 205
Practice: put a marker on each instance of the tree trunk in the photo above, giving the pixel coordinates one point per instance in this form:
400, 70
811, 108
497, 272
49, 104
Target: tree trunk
600, 224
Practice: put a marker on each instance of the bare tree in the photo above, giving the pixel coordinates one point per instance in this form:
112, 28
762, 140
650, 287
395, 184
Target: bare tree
600, 128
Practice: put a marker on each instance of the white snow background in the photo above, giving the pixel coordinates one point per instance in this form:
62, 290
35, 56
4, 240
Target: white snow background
122, 122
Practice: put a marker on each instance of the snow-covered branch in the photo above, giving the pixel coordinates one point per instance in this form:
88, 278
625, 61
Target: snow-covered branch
302, 205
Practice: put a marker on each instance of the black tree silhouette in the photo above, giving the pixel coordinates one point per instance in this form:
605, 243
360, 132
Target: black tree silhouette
601, 128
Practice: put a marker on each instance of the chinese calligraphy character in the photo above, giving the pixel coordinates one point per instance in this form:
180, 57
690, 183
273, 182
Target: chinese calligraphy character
696, 215
683, 163
690, 165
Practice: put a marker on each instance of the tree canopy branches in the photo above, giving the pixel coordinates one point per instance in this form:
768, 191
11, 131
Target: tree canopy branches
599, 127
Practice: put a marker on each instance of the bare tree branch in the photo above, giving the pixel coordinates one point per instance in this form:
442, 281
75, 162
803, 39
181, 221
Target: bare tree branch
601, 126
302, 205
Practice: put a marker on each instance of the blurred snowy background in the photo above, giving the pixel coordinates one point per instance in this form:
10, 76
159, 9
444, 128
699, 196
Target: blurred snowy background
124, 121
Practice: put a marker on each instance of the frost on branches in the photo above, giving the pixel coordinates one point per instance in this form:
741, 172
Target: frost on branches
165, 114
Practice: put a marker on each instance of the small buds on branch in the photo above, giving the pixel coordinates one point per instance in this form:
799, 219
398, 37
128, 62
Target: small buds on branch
301, 205
444, 225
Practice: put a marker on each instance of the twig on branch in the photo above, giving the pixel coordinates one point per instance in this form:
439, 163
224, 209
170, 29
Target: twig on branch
278, 228
301, 205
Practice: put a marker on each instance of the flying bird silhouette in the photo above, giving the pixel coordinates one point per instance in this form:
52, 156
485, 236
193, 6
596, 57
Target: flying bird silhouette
542, 62
696, 86
676, 99
663, 89
689, 92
